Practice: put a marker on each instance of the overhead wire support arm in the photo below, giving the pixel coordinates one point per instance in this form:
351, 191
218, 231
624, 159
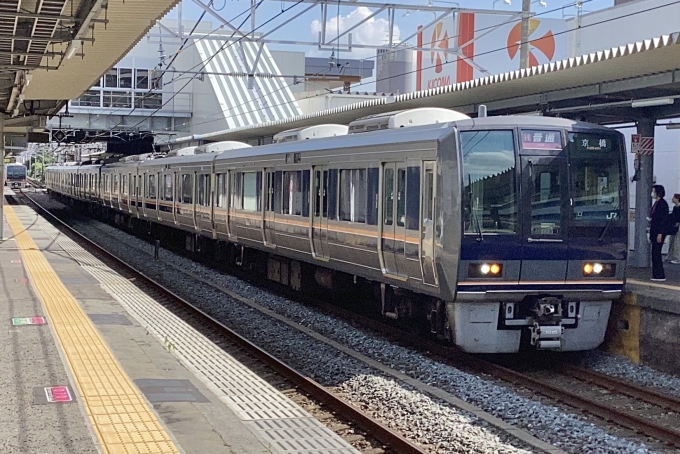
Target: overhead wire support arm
222, 20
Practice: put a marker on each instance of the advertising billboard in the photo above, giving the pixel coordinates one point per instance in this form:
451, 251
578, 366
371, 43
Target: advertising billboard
487, 44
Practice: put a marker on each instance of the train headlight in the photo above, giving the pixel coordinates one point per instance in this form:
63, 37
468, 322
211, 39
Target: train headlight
599, 269
485, 270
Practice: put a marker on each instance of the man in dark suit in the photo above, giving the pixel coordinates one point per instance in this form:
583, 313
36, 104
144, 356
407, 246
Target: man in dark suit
658, 218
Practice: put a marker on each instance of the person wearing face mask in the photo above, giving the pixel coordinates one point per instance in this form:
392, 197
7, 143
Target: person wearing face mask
658, 218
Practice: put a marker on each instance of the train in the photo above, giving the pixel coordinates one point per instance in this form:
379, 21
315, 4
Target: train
15, 176
499, 234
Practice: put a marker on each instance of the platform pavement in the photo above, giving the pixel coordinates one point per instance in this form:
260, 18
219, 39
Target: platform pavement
198, 421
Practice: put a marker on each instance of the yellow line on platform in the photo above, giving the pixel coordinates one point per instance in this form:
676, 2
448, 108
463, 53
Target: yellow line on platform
653, 284
119, 415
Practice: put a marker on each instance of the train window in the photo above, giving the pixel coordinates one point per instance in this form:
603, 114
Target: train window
413, 198
167, 187
489, 192
353, 195
597, 177
125, 184
203, 190
221, 189
236, 190
252, 184
332, 194
428, 196
388, 203
401, 197
372, 196
269, 203
116, 179
277, 204
305, 192
151, 187
187, 187
292, 193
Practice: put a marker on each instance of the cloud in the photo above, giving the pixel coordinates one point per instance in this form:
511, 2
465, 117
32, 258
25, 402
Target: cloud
373, 31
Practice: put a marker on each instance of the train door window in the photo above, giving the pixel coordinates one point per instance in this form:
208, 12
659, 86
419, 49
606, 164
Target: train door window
318, 192
269, 203
428, 196
152, 187
401, 197
278, 192
372, 196
200, 190
388, 202
220, 190
167, 187
125, 184
206, 189
187, 188
332, 194
292, 193
134, 185
353, 195
489, 192
546, 199
305, 192
236, 190
252, 184
413, 198
116, 182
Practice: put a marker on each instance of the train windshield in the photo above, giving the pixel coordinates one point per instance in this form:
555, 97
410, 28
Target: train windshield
489, 189
597, 181
16, 172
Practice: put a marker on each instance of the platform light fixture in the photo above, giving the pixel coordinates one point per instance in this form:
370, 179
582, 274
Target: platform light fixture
651, 102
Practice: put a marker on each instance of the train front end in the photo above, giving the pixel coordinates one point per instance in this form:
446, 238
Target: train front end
16, 176
545, 236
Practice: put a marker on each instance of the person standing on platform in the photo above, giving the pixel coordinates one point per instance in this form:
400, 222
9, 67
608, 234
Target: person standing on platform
674, 248
658, 217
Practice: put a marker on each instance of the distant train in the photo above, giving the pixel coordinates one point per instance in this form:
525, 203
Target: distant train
15, 176
499, 233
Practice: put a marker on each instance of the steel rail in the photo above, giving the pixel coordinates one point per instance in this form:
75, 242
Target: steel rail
620, 386
390, 438
605, 412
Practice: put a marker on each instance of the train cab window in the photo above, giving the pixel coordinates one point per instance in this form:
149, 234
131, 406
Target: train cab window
221, 189
489, 182
598, 180
353, 195
187, 187
167, 188
151, 187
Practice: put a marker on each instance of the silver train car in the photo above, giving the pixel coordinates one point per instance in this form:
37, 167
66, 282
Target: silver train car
499, 233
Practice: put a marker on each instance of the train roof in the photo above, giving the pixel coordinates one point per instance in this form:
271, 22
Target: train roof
527, 121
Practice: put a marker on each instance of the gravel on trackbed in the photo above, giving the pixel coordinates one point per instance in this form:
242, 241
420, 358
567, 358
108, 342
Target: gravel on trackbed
445, 428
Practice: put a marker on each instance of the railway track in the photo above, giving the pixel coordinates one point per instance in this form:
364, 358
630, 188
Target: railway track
320, 394
605, 412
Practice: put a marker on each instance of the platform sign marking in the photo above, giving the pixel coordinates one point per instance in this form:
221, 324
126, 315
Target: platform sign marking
635, 143
641, 145
36, 320
15, 261
58, 394
21, 280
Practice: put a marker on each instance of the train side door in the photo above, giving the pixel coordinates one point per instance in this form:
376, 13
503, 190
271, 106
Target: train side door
427, 261
545, 211
319, 230
270, 205
394, 217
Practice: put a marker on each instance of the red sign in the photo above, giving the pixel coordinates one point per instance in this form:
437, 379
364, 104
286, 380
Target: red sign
58, 394
541, 140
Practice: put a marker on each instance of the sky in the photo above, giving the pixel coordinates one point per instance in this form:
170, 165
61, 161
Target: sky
375, 31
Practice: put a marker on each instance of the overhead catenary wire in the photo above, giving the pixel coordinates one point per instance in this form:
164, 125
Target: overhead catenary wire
493, 50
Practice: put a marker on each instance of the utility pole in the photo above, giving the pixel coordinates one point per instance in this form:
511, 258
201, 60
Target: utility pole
524, 44
2, 171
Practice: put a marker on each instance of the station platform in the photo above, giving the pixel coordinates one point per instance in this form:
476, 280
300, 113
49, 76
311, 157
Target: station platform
89, 367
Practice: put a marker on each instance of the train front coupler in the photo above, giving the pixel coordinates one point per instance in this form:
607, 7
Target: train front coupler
545, 323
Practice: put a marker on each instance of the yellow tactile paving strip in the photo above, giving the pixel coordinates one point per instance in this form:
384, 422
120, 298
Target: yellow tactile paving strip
120, 417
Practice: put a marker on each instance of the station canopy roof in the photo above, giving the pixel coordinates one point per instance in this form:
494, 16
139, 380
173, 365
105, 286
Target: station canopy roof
614, 86
54, 50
